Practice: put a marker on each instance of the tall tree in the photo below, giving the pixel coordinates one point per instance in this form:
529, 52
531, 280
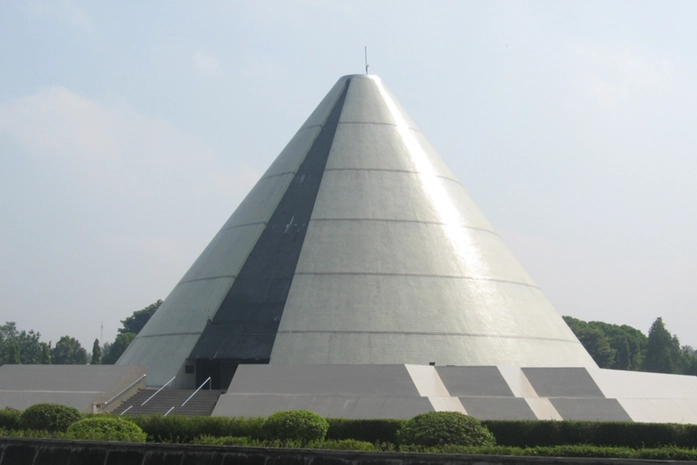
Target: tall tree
96, 353
662, 350
135, 322
14, 357
45, 353
68, 351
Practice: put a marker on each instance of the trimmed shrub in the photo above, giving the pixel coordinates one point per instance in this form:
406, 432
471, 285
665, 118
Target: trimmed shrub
49, 417
440, 428
295, 425
9, 418
106, 428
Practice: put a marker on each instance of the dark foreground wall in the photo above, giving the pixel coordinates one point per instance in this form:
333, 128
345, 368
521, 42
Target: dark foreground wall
20, 451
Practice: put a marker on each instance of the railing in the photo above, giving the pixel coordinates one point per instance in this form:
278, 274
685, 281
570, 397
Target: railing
168, 411
123, 390
199, 388
158, 391
129, 408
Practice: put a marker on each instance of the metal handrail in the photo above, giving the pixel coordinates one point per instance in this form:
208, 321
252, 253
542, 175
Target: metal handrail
124, 390
168, 411
199, 388
129, 408
158, 391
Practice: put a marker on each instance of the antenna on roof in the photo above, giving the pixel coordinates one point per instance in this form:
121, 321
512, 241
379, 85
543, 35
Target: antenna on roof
366, 59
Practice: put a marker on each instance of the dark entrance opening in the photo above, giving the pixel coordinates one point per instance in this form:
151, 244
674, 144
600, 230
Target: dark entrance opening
220, 371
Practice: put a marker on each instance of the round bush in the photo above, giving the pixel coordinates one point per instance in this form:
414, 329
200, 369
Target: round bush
295, 425
439, 428
106, 428
49, 417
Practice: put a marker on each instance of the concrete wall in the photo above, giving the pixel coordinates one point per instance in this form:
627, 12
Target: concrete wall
19, 451
78, 386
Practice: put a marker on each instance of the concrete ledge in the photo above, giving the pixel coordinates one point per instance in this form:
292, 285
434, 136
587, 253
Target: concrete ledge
22, 451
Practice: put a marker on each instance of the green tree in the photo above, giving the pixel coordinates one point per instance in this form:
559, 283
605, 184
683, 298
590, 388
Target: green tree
118, 347
135, 322
627, 344
14, 357
662, 350
45, 353
593, 340
96, 353
28, 343
68, 351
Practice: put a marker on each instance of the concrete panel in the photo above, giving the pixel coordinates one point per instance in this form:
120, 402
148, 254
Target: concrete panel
225, 254
470, 322
79, 386
380, 147
474, 381
517, 382
337, 406
427, 381
408, 248
341, 380
393, 196
163, 355
394, 348
260, 203
639, 385
447, 404
93, 378
543, 409
497, 408
562, 382
81, 400
661, 410
293, 154
590, 409
321, 113
369, 101
188, 307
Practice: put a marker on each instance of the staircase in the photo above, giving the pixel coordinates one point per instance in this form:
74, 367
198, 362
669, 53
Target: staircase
201, 404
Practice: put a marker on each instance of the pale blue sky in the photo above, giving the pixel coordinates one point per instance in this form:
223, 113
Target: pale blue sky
130, 131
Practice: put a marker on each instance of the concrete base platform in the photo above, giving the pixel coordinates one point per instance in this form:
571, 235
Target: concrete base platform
487, 393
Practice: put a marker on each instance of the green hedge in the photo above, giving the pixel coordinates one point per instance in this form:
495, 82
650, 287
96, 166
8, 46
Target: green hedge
602, 434
184, 429
373, 431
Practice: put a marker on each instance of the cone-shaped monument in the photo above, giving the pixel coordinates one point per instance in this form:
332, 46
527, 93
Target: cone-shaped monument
357, 246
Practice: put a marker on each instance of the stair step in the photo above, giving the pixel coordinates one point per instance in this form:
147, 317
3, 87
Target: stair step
201, 404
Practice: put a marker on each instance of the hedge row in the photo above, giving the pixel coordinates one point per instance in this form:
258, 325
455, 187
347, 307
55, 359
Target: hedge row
663, 453
524, 434
601, 434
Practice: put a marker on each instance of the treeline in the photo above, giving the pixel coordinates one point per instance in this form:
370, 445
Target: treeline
626, 348
22, 347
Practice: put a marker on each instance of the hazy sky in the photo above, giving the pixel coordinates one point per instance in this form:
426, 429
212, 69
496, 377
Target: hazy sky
130, 131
